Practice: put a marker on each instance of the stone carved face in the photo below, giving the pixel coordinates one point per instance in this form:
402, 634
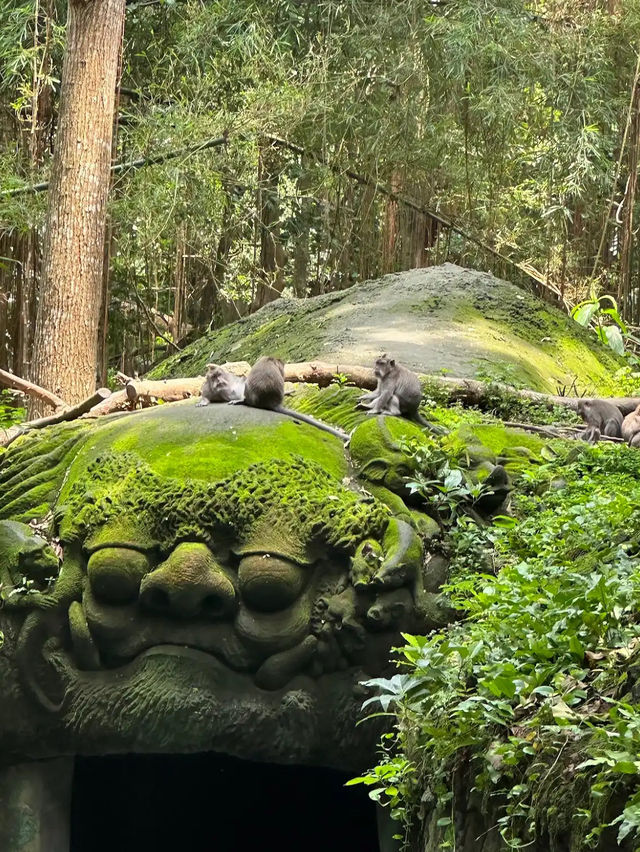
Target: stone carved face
225, 584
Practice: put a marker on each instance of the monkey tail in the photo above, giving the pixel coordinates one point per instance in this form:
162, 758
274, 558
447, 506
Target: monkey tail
422, 421
296, 415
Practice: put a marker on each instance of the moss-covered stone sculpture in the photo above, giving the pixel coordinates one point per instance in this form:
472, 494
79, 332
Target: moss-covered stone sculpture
216, 578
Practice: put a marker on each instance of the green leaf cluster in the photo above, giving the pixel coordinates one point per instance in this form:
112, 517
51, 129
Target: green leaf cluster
532, 692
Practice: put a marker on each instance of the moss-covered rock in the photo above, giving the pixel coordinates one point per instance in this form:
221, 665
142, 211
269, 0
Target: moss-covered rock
441, 319
207, 555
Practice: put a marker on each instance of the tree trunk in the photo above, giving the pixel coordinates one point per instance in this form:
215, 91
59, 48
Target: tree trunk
65, 346
625, 282
301, 255
209, 308
367, 236
271, 281
391, 228
176, 325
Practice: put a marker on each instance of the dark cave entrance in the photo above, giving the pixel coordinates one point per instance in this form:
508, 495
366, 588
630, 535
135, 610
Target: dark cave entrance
213, 803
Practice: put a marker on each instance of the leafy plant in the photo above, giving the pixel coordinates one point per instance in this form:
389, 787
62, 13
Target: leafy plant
605, 321
10, 413
532, 683
447, 490
340, 379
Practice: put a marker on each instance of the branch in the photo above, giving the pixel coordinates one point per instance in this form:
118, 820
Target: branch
117, 168
28, 388
68, 414
322, 373
559, 431
147, 392
154, 326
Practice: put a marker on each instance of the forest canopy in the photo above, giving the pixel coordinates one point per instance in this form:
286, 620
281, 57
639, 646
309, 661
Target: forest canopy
510, 120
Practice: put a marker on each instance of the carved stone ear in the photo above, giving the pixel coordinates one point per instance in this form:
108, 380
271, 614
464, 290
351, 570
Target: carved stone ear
212, 366
392, 362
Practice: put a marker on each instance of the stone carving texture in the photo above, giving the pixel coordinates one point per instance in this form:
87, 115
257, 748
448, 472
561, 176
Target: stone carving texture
206, 579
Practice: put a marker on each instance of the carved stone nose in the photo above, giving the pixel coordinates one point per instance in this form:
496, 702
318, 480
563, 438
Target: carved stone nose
189, 584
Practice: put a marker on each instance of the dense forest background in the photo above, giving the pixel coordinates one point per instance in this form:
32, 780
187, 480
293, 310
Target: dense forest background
296, 147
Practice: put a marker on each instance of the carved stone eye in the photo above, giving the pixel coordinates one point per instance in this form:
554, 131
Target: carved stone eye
269, 583
115, 573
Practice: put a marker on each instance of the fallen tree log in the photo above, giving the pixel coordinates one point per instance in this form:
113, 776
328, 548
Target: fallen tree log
473, 392
172, 390
322, 373
469, 392
71, 413
147, 392
466, 391
10, 380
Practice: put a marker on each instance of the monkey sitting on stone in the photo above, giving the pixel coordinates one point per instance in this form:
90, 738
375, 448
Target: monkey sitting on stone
264, 388
398, 393
221, 386
631, 428
601, 417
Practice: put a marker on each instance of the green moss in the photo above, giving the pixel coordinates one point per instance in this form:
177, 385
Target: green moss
377, 451
538, 364
335, 404
510, 335
297, 498
495, 438
33, 469
284, 329
210, 443
425, 526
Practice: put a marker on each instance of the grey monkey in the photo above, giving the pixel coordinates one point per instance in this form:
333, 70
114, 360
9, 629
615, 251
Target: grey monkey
601, 417
398, 392
264, 388
221, 386
631, 428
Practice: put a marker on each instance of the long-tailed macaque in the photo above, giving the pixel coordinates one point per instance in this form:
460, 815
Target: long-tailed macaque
264, 388
631, 428
221, 386
398, 393
601, 417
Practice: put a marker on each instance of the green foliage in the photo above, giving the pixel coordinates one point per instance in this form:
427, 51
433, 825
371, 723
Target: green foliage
505, 118
439, 480
340, 379
535, 676
508, 406
10, 413
605, 321
628, 379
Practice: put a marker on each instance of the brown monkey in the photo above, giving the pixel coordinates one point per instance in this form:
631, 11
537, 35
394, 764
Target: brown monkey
601, 417
221, 386
398, 393
631, 428
264, 388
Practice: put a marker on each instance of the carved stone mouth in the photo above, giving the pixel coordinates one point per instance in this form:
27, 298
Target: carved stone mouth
47, 660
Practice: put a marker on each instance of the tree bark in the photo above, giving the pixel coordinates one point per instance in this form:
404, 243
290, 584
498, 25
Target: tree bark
625, 283
65, 346
391, 227
10, 380
271, 277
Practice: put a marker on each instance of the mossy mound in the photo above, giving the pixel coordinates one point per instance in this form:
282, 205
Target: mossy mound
212, 442
441, 319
